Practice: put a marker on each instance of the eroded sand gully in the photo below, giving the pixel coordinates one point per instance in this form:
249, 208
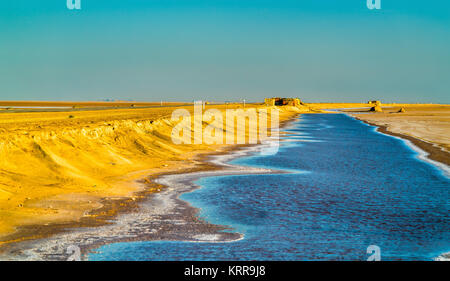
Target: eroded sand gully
161, 216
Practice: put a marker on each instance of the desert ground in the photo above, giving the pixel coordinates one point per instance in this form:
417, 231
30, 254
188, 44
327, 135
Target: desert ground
426, 126
430, 123
427, 122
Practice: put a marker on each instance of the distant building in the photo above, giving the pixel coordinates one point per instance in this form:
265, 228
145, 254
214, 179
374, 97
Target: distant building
282, 101
374, 102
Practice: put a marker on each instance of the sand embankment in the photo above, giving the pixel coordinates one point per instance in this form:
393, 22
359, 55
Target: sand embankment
427, 126
162, 216
61, 168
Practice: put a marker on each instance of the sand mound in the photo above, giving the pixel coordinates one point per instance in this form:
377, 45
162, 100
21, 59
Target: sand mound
376, 108
402, 110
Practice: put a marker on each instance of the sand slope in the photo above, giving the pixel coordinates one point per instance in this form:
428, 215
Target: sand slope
56, 167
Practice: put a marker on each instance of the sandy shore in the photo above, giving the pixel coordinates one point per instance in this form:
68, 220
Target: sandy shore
71, 180
426, 126
159, 216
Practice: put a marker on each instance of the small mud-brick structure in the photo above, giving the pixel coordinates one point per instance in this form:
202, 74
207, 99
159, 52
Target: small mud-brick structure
374, 102
282, 101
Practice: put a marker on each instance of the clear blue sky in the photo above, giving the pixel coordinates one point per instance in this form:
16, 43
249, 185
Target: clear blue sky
318, 50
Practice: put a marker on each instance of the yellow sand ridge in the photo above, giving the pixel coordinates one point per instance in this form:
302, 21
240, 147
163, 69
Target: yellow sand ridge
57, 166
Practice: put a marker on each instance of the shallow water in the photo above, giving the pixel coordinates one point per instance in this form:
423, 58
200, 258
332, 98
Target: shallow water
354, 188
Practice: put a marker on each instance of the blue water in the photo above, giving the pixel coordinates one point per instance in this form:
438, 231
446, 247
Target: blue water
354, 188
